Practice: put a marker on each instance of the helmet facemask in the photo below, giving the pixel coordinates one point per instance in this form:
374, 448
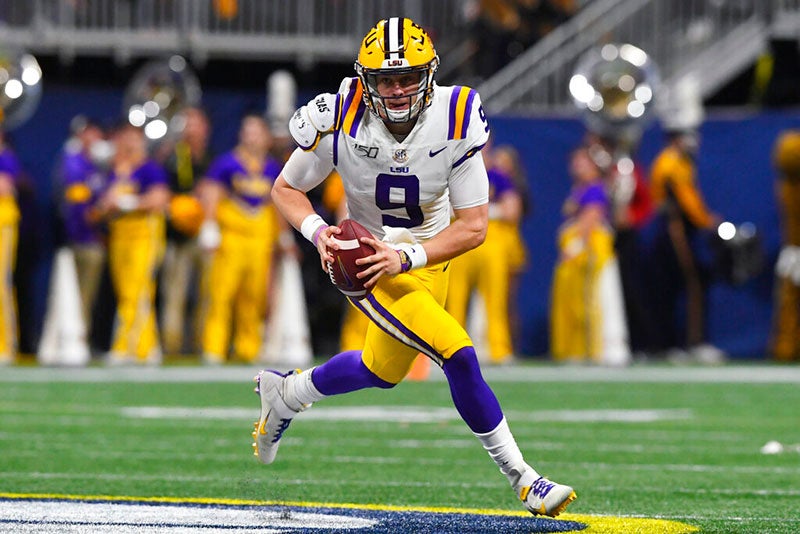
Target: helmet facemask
381, 105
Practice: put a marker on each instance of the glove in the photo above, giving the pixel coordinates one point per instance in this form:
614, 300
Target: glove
313, 120
209, 236
395, 236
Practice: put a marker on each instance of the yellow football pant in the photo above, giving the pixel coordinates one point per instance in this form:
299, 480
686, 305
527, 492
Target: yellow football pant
487, 269
237, 283
9, 218
407, 318
354, 329
576, 311
135, 249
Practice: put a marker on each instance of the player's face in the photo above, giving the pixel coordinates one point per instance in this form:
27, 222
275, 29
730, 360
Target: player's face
398, 90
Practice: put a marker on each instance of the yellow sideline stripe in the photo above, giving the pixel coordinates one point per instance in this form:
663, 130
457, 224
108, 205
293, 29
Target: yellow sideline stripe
597, 524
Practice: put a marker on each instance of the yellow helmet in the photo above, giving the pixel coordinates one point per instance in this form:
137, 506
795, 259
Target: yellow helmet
397, 46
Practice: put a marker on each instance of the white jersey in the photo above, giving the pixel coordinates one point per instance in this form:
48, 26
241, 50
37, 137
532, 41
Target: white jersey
409, 184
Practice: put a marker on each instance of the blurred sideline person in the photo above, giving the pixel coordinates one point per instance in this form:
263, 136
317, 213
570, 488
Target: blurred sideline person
10, 172
81, 178
587, 314
134, 204
186, 162
682, 219
426, 141
784, 343
682, 226
489, 268
241, 233
506, 159
631, 210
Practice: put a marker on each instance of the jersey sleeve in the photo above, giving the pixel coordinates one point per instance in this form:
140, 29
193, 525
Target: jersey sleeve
220, 170
469, 183
9, 164
305, 170
499, 183
152, 175
467, 124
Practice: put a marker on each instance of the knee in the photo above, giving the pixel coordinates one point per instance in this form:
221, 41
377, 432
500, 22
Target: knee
463, 363
384, 384
371, 378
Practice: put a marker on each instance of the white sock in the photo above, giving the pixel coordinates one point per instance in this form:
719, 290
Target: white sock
300, 390
503, 449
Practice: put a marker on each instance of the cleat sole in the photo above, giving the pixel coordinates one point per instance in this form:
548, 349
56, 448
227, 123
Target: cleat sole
563, 506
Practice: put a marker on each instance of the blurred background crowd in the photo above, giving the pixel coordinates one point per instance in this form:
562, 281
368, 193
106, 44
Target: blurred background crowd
644, 171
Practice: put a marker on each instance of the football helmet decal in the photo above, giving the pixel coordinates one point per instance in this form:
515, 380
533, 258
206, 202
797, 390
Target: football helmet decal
396, 47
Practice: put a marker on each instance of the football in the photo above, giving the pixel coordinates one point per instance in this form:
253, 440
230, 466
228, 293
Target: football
343, 270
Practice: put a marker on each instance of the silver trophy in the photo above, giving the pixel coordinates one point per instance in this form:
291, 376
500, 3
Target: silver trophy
158, 93
20, 87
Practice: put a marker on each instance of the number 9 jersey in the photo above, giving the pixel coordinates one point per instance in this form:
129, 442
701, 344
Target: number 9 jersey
410, 183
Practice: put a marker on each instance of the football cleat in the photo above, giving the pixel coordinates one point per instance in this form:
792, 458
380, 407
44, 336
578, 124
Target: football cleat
545, 497
276, 414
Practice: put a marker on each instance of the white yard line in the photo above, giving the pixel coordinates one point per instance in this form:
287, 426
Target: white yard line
732, 373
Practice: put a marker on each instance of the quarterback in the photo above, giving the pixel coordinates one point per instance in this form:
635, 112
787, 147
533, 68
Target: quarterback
407, 150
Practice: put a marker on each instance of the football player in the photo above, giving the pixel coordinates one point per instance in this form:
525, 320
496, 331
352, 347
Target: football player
406, 150
134, 204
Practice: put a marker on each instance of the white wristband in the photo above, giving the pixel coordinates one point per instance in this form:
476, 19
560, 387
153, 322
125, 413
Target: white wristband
416, 254
310, 225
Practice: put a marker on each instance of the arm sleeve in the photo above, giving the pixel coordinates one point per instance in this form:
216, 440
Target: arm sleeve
219, 170
689, 197
306, 170
477, 130
469, 184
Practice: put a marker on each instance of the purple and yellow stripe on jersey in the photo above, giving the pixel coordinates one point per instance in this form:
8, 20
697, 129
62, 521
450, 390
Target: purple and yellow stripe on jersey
461, 100
390, 324
353, 108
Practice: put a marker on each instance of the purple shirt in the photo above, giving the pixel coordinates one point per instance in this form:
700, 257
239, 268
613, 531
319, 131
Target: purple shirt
499, 184
145, 176
583, 196
82, 182
9, 163
250, 190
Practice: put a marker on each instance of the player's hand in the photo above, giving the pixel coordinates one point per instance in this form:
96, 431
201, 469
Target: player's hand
385, 261
325, 243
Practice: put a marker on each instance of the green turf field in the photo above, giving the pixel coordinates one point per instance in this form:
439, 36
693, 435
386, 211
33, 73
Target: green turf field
655, 442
